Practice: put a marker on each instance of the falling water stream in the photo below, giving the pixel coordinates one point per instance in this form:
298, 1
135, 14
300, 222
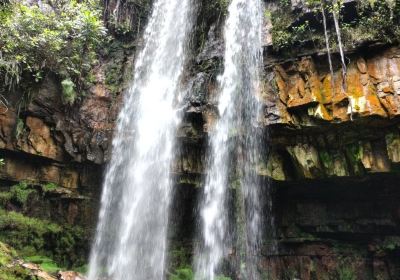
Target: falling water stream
234, 145
131, 238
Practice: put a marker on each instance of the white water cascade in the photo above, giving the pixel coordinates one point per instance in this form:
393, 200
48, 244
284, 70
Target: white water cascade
131, 238
234, 145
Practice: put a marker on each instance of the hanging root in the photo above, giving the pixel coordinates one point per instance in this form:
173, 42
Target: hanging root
335, 14
328, 49
4, 103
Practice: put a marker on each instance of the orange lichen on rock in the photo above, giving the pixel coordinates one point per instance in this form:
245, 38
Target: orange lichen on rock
305, 86
327, 91
281, 78
371, 88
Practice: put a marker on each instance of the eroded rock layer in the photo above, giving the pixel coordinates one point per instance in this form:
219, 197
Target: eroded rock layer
333, 150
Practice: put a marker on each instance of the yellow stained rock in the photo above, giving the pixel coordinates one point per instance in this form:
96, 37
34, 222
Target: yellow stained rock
327, 92
372, 88
391, 104
354, 86
280, 79
320, 112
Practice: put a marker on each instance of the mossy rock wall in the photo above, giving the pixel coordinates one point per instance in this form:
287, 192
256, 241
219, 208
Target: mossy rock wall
332, 162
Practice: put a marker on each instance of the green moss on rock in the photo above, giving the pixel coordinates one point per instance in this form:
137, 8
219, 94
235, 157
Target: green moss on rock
9, 271
46, 263
63, 243
18, 194
354, 153
183, 273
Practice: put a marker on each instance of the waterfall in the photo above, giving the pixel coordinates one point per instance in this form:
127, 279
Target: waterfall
234, 145
131, 237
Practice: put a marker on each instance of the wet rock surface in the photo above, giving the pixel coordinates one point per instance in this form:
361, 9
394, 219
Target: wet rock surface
333, 152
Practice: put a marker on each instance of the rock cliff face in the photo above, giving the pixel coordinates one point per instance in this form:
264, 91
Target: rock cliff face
343, 132
333, 148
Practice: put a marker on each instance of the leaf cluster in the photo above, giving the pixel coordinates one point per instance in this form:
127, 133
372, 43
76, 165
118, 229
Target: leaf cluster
59, 36
376, 20
65, 244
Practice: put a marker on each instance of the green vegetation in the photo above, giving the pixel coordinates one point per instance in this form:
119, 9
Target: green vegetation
128, 18
6, 254
21, 192
184, 273
83, 269
35, 237
284, 34
376, 20
179, 257
50, 245
114, 69
8, 270
68, 90
290, 273
59, 36
388, 244
180, 264
18, 194
354, 153
49, 187
220, 5
45, 263
213, 11
11, 270
346, 273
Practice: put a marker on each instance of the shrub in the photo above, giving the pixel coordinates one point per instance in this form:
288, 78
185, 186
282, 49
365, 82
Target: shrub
185, 273
346, 273
59, 36
49, 187
18, 194
65, 244
21, 192
45, 263
68, 90
376, 20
